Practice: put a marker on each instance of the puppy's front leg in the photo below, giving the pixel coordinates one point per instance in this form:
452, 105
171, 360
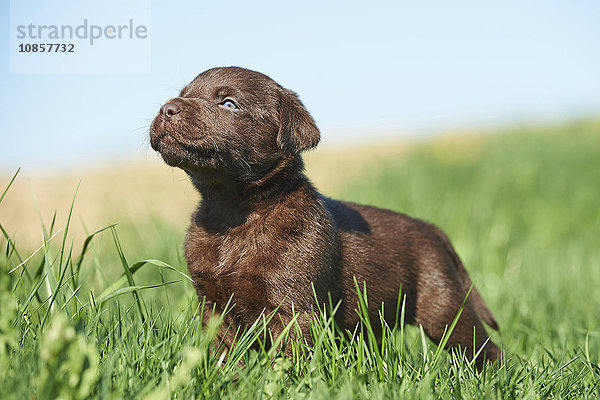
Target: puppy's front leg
228, 328
283, 324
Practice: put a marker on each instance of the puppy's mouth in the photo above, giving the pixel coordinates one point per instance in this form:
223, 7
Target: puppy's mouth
179, 152
158, 141
162, 140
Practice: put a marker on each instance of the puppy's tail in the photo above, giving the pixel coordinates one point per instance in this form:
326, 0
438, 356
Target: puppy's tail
476, 300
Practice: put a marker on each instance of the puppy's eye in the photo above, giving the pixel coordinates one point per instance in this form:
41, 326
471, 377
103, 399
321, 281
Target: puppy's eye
229, 104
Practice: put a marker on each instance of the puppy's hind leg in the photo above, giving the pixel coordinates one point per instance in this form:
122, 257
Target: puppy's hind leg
437, 309
470, 335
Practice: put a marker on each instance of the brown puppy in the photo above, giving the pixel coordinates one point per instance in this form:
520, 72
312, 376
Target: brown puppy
263, 234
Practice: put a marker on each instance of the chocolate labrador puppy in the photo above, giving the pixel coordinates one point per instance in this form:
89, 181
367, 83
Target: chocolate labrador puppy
263, 236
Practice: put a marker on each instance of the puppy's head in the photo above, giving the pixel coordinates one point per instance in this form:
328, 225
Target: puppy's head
232, 120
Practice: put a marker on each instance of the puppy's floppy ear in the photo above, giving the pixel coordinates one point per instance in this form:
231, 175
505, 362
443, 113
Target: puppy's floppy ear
297, 129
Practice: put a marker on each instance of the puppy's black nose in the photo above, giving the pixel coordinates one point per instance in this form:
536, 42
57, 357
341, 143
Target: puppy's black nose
170, 109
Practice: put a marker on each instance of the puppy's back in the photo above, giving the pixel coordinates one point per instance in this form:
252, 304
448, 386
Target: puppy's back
390, 250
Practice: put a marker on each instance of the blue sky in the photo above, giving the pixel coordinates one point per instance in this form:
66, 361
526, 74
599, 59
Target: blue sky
362, 69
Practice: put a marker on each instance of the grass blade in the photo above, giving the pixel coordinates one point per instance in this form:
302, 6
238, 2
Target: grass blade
128, 273
131, 289
9, 184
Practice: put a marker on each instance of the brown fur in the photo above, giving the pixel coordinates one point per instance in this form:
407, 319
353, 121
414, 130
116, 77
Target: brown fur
263, 234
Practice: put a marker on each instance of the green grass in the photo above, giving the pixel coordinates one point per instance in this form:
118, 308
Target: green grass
522, 209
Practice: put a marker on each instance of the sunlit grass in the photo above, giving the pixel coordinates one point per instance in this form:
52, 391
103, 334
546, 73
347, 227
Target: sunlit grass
115, 316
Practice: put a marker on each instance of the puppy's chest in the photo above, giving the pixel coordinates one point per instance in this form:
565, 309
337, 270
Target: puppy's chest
237, 263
